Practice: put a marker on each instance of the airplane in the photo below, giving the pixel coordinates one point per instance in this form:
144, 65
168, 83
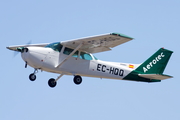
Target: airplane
75, 57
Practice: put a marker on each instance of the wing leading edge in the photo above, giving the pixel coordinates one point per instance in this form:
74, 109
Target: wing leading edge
31, 45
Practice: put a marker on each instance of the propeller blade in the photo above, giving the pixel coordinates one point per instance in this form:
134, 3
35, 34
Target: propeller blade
17, 52
29, 42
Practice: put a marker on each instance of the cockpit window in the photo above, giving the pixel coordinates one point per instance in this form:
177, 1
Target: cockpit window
55, 46
68, 51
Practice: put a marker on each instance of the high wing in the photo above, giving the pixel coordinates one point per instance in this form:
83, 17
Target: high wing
93, 44
31, 45
98, 43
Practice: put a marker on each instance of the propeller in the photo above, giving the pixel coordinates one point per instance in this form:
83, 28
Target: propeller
15, 53
20, 49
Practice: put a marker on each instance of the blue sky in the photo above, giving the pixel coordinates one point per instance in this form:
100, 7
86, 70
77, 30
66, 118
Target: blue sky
153, 24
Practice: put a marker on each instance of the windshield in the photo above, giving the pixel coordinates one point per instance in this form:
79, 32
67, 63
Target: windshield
55, 46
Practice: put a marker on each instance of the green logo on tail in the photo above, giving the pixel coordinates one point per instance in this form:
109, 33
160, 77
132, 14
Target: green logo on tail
156, 63
153, 62
152, 69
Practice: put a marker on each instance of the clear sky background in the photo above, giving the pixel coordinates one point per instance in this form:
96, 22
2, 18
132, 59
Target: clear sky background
153, 24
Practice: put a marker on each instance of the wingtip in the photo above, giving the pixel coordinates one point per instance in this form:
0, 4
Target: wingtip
10, 48
121, 35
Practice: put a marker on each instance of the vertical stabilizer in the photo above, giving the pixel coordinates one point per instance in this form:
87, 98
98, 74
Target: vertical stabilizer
152, 69
156, 63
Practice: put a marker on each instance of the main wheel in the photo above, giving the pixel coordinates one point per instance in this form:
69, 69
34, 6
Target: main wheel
32, 77
77, 79
52, 83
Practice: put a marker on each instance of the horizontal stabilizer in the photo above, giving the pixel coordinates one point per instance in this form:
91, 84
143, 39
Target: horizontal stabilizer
155, 76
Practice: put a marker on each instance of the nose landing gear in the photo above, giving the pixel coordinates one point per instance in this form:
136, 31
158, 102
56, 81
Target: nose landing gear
32, 76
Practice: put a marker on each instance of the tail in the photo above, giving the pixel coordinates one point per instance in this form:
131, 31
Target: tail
152, 69
156, 63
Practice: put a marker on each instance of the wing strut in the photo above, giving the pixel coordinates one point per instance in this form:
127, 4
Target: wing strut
70, 55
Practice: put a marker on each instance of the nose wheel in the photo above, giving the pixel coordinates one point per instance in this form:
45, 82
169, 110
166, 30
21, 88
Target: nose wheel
32, 76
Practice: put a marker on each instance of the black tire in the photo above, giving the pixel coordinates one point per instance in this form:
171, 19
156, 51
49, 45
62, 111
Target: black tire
32, 77
52, 83
77, 79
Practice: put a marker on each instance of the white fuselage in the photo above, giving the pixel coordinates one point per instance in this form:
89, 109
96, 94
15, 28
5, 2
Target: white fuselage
47, 59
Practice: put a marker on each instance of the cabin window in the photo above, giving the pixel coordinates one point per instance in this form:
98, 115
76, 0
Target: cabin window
76, 54
55, 46
68, 51
95, 58
85, 56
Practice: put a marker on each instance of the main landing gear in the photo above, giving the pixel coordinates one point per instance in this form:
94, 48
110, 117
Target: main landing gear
53, 82
77, 79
